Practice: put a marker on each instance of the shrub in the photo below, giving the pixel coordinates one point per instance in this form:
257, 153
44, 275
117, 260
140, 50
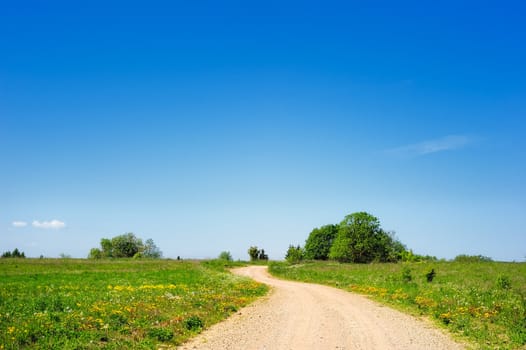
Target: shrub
193, 323
430, 275
95, 253
294, 254
225, 256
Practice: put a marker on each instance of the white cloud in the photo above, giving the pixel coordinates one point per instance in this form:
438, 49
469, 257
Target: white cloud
53, 224
446, 143
19, 224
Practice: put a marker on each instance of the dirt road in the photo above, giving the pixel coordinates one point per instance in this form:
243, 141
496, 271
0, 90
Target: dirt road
309, 316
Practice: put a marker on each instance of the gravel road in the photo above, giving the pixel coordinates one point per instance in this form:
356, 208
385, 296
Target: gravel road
309, 316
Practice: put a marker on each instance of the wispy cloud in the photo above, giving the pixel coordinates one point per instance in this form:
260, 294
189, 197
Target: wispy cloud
446, 143
53, 224
19, 224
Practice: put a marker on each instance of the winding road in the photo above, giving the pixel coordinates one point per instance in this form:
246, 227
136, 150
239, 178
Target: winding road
309, 316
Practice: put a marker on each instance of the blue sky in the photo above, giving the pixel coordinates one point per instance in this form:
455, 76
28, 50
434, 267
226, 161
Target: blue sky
215, 126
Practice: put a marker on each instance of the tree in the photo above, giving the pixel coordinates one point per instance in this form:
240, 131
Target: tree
294, 254
253, 252
360, 239
464, 258
107, 248
394, 249
14, 254
256, 254
262, 255
319, 242
225, 256
95, 253
125, 246
151, 250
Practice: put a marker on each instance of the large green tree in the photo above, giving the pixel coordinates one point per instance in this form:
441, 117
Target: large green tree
319, 242
360, 239
125, 246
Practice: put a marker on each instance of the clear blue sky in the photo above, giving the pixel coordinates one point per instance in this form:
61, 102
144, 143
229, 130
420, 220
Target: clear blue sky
213, 126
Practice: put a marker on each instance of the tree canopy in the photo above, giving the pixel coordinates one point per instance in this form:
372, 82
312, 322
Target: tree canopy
125, 246
14, 254
319, 242
360, 239
257, 254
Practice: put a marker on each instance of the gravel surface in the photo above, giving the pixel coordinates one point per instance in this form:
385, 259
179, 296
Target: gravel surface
309, 316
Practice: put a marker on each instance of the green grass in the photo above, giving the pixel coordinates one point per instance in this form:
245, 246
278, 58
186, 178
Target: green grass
88, 304
484, 303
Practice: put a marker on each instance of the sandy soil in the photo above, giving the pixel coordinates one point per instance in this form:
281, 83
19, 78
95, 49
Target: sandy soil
308, 316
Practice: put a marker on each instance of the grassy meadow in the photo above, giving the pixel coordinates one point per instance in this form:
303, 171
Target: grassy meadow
483, 302
114, 304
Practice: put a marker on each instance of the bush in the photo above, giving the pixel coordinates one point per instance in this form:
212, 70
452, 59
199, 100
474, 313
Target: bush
225, 256
193, 323
95, 253
430, 275
294, 254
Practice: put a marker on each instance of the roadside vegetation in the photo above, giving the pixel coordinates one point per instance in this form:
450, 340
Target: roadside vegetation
115, 304
472, 296
475, 298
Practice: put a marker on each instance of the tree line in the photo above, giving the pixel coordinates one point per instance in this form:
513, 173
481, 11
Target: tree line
14, 254
358, 238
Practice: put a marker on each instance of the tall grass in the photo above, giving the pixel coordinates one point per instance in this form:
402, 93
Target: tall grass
483, 302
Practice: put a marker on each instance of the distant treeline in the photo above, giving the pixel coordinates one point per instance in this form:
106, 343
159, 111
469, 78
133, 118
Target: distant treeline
358, 238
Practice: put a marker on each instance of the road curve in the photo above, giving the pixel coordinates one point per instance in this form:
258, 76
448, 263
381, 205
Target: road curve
309, 316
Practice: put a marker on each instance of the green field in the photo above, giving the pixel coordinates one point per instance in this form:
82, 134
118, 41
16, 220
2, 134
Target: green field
484, 303
85, 304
